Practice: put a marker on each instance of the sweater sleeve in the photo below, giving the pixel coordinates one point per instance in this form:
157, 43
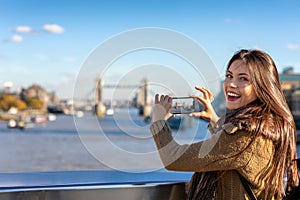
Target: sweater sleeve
227, 149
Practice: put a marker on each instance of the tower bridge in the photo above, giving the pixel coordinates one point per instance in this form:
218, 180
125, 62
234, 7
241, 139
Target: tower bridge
142, 102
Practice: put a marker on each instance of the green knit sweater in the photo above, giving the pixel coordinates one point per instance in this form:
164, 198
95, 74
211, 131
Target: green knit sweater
227, 150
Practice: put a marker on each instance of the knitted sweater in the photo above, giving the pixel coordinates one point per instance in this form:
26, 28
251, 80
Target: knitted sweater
228, 150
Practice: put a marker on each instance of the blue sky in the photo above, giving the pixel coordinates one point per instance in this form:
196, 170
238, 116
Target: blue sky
46, 42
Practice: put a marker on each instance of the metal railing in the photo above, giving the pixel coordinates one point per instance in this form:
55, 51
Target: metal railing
92, 185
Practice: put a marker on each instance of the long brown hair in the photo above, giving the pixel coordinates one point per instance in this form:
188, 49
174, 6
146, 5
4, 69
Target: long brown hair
272, 118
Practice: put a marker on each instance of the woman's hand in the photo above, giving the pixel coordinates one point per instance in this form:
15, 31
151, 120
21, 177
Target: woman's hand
208, 112
161, 108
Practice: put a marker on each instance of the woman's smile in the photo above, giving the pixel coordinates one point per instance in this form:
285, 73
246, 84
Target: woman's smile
232, 96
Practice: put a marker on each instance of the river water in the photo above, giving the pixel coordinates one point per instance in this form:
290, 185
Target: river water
122, 142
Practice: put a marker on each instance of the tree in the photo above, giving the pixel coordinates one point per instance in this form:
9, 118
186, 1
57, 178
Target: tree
34, 103
8, 101
20, 105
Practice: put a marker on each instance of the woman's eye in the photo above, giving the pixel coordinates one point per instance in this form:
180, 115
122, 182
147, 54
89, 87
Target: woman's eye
228, 76
244, 79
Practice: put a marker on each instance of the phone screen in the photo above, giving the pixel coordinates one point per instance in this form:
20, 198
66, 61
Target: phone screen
185, 105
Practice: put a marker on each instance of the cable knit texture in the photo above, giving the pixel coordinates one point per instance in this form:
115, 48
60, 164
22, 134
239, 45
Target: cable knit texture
228, 150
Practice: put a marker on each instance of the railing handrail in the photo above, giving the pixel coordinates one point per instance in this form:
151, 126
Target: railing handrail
51, 179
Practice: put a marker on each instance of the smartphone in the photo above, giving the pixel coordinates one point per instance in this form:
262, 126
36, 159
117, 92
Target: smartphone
185, 105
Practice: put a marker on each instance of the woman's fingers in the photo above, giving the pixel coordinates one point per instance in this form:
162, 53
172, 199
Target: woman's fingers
164, 100
161, 108
156, 99
206, 93
161, 98
199, 98
210, 95
169, 103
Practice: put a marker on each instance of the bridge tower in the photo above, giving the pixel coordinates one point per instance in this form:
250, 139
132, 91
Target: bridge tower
144, 99
99, 105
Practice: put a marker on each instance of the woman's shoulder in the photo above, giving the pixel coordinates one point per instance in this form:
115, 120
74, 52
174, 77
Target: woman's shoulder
230, 128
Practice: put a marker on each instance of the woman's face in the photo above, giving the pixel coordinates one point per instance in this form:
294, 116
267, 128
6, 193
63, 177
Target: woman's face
238, 89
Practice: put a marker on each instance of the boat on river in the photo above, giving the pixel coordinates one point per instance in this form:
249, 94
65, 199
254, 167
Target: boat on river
21, 124
12, 123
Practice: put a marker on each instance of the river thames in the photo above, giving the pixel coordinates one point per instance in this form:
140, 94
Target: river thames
121, 142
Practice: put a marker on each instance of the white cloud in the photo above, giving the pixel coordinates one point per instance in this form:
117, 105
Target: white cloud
16, 38
293, 47
53, 28
23, 29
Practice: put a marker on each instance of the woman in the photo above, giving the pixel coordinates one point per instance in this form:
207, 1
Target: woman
253, 144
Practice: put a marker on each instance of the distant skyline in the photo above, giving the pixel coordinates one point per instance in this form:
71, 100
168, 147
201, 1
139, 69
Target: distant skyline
47, 42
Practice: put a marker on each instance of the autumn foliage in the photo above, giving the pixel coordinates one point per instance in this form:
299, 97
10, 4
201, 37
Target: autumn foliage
8, 101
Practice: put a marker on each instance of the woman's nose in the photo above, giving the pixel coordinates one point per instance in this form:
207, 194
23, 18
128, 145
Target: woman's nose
232, 83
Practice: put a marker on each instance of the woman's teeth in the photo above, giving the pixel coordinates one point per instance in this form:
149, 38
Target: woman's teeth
232, 94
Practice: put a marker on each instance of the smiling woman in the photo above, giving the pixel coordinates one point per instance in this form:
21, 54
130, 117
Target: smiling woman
252, 147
